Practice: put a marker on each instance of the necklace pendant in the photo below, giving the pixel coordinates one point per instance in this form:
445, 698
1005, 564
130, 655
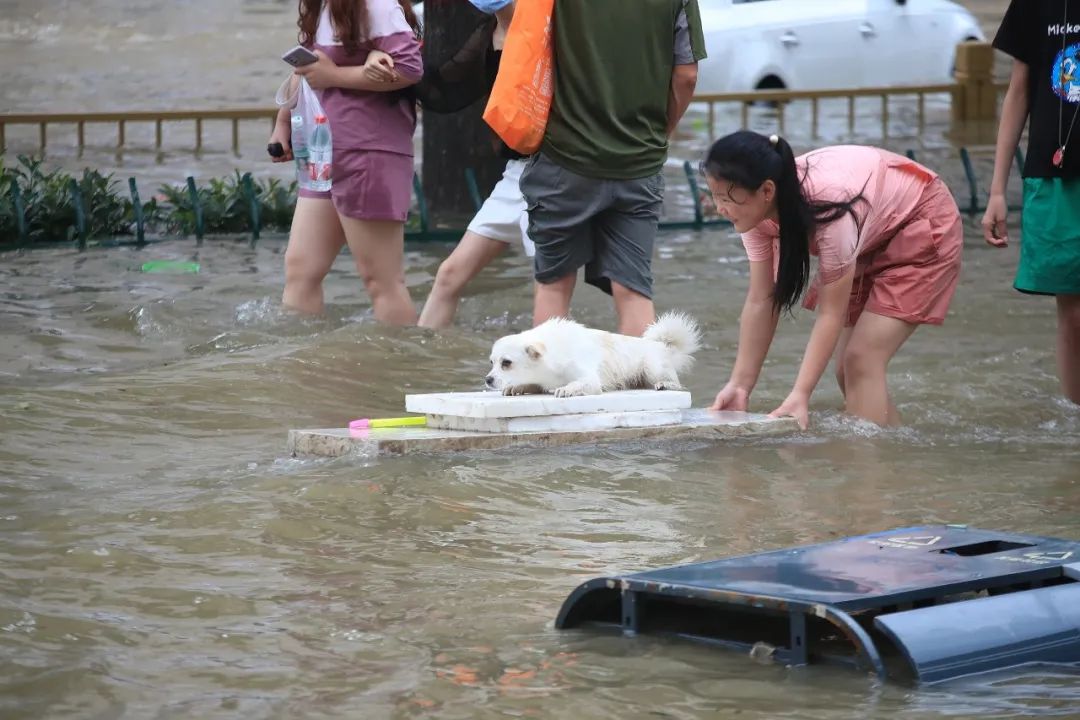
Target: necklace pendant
1059, 157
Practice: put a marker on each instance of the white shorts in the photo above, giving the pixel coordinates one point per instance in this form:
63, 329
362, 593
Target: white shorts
504, 216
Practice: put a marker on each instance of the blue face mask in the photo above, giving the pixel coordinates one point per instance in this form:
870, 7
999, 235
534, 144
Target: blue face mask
490, 6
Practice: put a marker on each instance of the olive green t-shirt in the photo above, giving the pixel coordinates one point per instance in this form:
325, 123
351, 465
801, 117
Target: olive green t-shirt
613, 65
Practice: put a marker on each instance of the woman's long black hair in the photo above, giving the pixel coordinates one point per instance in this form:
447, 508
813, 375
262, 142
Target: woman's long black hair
747, 159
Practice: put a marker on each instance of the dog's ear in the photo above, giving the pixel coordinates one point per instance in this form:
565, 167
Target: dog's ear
534, 351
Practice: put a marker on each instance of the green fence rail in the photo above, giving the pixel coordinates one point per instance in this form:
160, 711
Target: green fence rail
419, 228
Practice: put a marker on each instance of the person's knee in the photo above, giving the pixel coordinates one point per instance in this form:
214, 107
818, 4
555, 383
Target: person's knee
381, 283
860, 361
1069, 314
628, 293
451, 276
840, 378
558, 286
300, 268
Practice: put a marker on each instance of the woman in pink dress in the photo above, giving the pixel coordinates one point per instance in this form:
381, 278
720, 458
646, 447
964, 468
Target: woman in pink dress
888, 238
372, 125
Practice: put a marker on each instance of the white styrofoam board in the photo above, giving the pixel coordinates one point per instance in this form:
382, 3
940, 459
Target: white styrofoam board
557, 423
493, 404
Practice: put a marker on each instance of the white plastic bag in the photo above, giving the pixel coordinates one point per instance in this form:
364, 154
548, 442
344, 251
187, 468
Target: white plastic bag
320, 145
289, 92
311, 141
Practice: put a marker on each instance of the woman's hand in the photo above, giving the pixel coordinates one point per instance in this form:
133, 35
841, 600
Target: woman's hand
379, 67
732, 397
282, 134
797, 405
321, 74
995, 230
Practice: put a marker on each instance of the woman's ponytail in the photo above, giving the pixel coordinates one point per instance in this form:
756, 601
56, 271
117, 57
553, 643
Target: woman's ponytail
747, 159
796, 218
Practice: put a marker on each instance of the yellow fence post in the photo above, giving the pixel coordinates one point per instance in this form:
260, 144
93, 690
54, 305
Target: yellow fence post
974, 108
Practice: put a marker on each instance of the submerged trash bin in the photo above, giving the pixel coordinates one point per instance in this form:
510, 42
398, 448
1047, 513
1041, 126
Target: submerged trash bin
925, 604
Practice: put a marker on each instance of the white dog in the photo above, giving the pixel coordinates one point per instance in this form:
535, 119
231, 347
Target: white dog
566, 358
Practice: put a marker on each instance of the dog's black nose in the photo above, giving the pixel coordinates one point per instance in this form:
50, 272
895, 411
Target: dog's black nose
489, 381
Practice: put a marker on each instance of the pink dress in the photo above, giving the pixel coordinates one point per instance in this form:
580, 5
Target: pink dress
372, 131
907, 254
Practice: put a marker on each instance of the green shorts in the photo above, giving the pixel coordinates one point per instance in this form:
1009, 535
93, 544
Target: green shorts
1050, 237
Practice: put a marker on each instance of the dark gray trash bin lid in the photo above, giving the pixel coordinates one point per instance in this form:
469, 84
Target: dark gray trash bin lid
798, 599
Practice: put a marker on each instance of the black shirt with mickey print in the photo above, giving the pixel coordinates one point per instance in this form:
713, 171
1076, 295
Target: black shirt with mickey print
1045, 35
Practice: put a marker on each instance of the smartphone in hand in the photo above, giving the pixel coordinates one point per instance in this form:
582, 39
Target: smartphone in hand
300, 56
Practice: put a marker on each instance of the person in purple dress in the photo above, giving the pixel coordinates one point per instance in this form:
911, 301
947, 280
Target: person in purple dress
372, 123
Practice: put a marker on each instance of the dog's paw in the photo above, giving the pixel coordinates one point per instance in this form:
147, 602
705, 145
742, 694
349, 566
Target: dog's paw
576, 389
522, 390
668, 385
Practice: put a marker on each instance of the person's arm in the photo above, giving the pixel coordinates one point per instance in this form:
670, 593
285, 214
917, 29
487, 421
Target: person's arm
683, 82
463, 79
689, 50
505, 15
282, 133
325, 73
399, 42
832, 311
1014, 115
757, 326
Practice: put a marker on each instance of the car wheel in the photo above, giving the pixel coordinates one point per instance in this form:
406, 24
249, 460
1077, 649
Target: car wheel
769, 82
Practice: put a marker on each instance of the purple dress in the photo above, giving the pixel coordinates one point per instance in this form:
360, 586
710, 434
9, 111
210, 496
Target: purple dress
372, 131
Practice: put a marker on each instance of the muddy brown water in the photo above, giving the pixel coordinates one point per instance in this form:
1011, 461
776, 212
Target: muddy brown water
162, 557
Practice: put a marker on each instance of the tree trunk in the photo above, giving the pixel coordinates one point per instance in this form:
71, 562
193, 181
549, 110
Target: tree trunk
456, 141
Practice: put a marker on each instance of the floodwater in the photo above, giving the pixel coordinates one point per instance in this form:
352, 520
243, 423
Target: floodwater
162, 557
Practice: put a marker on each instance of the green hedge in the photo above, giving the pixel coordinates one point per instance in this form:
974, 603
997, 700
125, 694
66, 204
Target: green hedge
50, 211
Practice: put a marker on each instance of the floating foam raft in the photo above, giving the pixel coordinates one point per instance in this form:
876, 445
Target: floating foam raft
489, 420
926, 604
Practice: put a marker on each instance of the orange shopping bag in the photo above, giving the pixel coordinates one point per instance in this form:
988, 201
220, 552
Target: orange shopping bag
520, 100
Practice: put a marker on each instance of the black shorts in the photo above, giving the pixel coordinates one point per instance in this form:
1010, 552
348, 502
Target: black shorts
607, 226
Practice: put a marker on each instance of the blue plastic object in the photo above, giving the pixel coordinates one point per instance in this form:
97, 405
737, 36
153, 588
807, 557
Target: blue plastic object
1004, 631
925, 603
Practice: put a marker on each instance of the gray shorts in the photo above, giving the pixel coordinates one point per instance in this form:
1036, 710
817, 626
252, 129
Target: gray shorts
607, 226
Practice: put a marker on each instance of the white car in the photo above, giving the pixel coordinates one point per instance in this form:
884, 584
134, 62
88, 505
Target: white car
826, 44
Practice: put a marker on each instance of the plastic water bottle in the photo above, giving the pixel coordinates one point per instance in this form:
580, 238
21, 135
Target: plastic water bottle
300, 152
321, 151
